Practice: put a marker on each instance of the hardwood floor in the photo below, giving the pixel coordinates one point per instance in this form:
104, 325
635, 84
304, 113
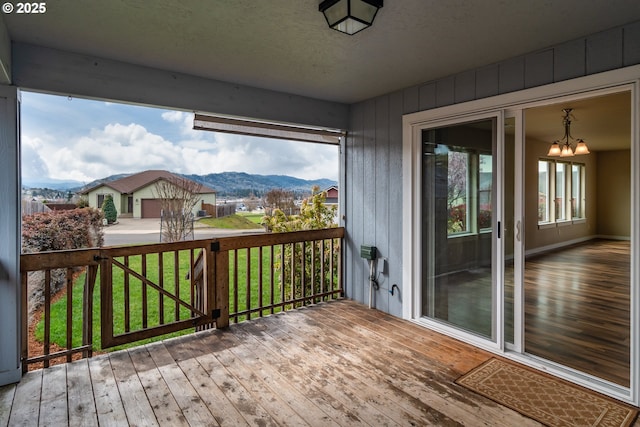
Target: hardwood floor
335, 364
577, 308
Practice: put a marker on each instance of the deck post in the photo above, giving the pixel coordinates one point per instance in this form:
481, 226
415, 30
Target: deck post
10, 209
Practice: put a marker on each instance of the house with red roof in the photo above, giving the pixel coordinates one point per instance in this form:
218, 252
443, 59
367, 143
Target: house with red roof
137, 196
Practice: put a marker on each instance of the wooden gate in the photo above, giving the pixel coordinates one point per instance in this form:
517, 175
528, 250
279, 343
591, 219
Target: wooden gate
152, 290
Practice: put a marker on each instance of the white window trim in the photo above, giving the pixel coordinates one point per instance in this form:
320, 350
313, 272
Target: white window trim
598, 84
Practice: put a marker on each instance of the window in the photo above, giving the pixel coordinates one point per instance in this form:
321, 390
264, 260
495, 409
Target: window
561, 191
457, 192
577, 191
544, 184
469, 191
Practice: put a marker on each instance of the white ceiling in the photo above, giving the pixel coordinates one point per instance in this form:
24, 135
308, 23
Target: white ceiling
286, 45
604, 122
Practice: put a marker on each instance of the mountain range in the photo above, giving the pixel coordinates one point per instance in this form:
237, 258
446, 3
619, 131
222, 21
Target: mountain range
225, 183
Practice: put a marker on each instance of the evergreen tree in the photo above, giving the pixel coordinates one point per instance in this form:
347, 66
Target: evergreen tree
109, 209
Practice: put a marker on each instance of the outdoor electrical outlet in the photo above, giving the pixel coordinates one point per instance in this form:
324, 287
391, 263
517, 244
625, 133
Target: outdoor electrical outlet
368, 252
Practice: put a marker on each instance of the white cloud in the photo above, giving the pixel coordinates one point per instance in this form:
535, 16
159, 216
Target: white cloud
61, 149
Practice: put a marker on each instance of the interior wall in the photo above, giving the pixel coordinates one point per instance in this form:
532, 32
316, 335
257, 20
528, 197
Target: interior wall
374, 144
614, 194
548, 237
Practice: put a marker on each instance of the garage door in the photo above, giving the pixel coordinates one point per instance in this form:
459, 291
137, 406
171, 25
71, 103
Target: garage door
151, 208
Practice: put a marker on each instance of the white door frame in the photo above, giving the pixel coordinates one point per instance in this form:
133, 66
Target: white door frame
603, 83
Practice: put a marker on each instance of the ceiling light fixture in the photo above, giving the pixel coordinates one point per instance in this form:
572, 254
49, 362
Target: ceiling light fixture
565, 150
350, 16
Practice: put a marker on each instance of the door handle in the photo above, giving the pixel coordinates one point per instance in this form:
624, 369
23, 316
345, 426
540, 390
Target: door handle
518, 230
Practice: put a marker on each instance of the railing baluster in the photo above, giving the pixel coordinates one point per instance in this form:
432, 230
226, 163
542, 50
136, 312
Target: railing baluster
176, 281
331, 284
47, 314
192, 281
248, 284
293, 272
91, 273
271, 284
304, 283
260, 299
127, 302
322, 268
161, 284
144, 292
283, 297
235, 285
69, 285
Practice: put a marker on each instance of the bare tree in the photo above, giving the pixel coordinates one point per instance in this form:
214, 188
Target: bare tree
178, 196
279, 198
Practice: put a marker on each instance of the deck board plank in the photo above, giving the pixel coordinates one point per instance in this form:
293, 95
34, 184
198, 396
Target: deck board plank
53, 402
133, 396
243, 401
192, 406
270, 375
158, 392
26, 402
350, 409
82, 408
108, 403
428, 379
184, 351
309, 353
7, 393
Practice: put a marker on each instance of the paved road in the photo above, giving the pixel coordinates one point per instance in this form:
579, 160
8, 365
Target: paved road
131, 231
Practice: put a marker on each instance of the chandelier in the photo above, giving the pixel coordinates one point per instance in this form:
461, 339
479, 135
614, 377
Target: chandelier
566, 150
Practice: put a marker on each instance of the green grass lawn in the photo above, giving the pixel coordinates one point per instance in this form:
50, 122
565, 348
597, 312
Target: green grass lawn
235, 221
154, 306
253, 217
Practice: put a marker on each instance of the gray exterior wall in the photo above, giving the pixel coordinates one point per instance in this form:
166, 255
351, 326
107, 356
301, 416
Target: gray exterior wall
373, 170
56, 71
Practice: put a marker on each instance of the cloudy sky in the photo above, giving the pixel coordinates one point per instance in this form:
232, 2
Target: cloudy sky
81, 140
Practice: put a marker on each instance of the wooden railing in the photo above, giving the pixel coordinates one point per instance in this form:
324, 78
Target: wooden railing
152, 290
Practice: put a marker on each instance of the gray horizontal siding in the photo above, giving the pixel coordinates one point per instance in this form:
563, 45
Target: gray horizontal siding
374, 143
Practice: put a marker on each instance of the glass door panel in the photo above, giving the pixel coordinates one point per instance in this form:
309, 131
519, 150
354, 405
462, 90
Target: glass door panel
458, 202
509, 229
577, 219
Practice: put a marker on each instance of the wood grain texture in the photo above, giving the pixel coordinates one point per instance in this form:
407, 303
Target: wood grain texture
577, 308
332, 364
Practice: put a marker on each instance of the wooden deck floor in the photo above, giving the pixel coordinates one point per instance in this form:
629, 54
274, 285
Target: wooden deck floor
333, 364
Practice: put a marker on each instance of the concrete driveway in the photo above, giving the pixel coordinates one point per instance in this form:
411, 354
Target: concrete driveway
129, 231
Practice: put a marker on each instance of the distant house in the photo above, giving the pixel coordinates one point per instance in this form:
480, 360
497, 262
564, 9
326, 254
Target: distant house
136, 195
332, 195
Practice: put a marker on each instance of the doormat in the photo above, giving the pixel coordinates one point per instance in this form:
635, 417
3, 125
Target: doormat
546, 399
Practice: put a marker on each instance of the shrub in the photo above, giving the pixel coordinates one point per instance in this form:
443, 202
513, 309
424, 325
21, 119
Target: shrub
60, 230
109, 209
314, 215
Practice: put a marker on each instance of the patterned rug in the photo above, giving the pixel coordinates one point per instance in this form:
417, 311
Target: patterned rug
546, 399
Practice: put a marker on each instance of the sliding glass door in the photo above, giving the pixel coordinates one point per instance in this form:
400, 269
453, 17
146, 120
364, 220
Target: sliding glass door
459, 226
